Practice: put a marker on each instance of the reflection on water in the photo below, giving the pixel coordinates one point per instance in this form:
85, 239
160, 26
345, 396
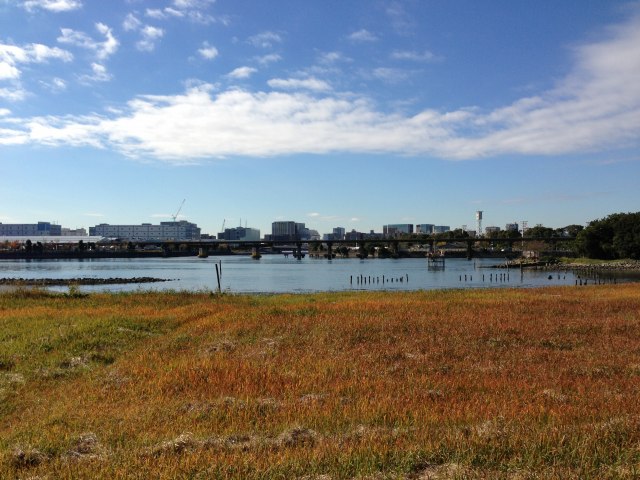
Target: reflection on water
277, 274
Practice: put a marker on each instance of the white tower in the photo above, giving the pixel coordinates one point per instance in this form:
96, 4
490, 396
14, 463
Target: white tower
479, 219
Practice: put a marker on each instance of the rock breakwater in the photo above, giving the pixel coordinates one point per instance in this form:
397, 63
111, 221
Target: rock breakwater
56, 282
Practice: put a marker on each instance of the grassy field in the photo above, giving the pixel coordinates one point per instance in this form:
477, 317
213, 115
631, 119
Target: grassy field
518, 384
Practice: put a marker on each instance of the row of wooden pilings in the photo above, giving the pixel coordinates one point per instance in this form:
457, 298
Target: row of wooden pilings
371, 280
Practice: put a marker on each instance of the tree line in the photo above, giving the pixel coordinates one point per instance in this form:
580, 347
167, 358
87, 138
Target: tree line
613, 237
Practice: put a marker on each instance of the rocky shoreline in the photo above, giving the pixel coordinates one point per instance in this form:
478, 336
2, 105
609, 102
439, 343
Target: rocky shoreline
62, 282
626, 266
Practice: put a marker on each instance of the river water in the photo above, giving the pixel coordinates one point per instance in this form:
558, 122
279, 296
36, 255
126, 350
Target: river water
279, 274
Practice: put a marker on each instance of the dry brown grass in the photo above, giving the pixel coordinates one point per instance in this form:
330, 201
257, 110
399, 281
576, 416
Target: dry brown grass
511, 384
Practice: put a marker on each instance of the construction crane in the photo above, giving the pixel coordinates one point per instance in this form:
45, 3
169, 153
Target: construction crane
179, 209
224, 220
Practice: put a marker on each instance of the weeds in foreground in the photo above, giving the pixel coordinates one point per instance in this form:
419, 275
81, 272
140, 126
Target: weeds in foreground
462, 384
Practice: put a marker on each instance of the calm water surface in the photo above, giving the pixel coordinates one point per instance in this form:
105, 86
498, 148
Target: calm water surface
277, 274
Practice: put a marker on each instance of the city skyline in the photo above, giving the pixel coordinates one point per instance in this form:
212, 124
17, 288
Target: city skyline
355, 114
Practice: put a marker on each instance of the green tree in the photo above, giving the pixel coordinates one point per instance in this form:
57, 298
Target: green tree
540, 232
616, 236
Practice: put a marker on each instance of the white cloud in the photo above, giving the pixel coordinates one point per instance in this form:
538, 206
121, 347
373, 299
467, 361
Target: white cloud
99, 74
596, 106
4, 112
423, 57
12, 56
242, 72
363, 36
299, 84
208, 52
150, 35
193, 11
265, 39
131, 23
56, 85
102, 50
15, 94
391, 75
401, 22
331, 57
267, 59
8, 71
53, 5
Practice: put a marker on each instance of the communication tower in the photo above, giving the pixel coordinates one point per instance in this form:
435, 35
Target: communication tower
479, 220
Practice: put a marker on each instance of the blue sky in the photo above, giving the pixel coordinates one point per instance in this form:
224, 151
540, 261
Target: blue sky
333, 113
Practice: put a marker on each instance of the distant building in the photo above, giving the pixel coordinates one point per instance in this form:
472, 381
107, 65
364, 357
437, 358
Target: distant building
337, 234
372, 235
75, 232
166, 231
285, 231
511, 227
240, 233
425, 228
39, 229
489, 230
313, 234
441, 228
397, 229
353, 235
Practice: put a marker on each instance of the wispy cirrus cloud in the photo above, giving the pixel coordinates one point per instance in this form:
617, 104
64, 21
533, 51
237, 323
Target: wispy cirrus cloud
596, 106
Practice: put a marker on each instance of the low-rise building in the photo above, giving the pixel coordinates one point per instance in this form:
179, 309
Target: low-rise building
240, 233
166, 231
40, 229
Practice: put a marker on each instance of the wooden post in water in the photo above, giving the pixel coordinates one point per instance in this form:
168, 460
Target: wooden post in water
218, 277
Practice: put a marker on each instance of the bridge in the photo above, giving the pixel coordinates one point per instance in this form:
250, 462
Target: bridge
205, 246
45, 249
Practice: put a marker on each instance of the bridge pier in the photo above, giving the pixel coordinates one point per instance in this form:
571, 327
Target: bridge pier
469, 249
329, 250
203, 252
298, 253
255, 252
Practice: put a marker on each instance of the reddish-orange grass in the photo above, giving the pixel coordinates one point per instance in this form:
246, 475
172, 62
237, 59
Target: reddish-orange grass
527, 383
